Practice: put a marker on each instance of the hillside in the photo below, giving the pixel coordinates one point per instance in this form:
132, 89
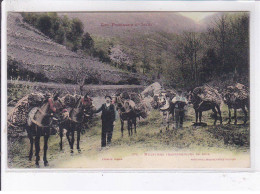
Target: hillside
110, 24
31, 52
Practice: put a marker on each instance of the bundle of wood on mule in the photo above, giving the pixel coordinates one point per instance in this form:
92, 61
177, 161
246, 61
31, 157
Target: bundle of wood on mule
18, 116
69, 100
206, 98
237, 97
239, 91
140, 106
151, 90
171, 93
208, 93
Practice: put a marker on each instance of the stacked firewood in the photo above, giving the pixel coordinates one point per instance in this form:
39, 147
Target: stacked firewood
208, 93
18, 116
239, 91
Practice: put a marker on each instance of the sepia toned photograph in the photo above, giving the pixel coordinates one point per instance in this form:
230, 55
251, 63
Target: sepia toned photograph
128, 90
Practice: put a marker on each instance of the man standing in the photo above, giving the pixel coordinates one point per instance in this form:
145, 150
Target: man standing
179, 102
108, 117
164, 106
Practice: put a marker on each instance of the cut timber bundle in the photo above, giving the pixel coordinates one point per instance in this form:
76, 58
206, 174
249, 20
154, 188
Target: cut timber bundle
239, 91
208, 93
19, 114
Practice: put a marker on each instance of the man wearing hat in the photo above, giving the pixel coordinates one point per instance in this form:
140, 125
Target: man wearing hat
108, 117
179, 102
164, 106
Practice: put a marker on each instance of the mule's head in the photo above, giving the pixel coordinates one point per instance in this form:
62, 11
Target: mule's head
190, 97
162, 100
114, 99
226, 96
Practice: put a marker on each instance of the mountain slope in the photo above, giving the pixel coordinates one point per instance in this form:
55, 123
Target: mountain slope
124, 24
36, 53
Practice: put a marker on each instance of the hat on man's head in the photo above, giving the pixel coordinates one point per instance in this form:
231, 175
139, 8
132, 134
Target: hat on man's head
108, 96
179, 90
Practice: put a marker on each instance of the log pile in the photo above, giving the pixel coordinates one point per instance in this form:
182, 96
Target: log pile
18, 116
208, 93
239, 91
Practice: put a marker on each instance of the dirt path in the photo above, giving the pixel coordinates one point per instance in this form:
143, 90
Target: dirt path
96, 90
142, 155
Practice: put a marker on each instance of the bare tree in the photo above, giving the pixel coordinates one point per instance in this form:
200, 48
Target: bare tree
188, 52
79, 74
219, 31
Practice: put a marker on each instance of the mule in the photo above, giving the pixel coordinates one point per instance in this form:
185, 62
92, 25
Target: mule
201, 106
41, 125
236, 103
76, 117
126, 113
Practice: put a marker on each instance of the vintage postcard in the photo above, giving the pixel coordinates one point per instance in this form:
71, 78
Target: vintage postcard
128, 90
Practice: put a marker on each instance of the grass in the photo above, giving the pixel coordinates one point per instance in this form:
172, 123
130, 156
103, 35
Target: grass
219, 138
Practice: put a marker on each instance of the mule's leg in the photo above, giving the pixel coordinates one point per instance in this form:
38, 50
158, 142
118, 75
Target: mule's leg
167, 120
229, 115
37, 149
197, 115
78, 139
46, 137
68, 136
200, 116
215, 115
72, 140
134, 122
245, 113
219, 112
122, 127
31, 148
181, 118
131, 127
235, 116
61, 135
128, 127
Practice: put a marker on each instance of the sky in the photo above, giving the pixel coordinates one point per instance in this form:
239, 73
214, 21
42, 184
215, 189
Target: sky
196, 16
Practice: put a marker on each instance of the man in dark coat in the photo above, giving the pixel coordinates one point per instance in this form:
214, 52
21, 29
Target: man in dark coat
108, 117
179, 102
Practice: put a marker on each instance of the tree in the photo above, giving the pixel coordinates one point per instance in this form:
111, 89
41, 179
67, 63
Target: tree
230, 37
146, 58
44, 24
119, 58
219, 31
189, 46
87, 42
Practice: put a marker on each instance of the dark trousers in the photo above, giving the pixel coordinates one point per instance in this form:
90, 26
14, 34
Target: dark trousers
179, 116
107, 131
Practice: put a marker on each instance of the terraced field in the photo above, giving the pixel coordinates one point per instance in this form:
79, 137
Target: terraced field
33, 52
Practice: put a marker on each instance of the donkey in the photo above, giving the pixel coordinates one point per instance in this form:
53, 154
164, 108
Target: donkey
41, 125
126, 113
200, 106
73, 119
236, 103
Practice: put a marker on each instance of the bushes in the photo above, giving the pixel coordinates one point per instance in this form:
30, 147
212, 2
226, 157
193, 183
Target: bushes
61, 29
14, 72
